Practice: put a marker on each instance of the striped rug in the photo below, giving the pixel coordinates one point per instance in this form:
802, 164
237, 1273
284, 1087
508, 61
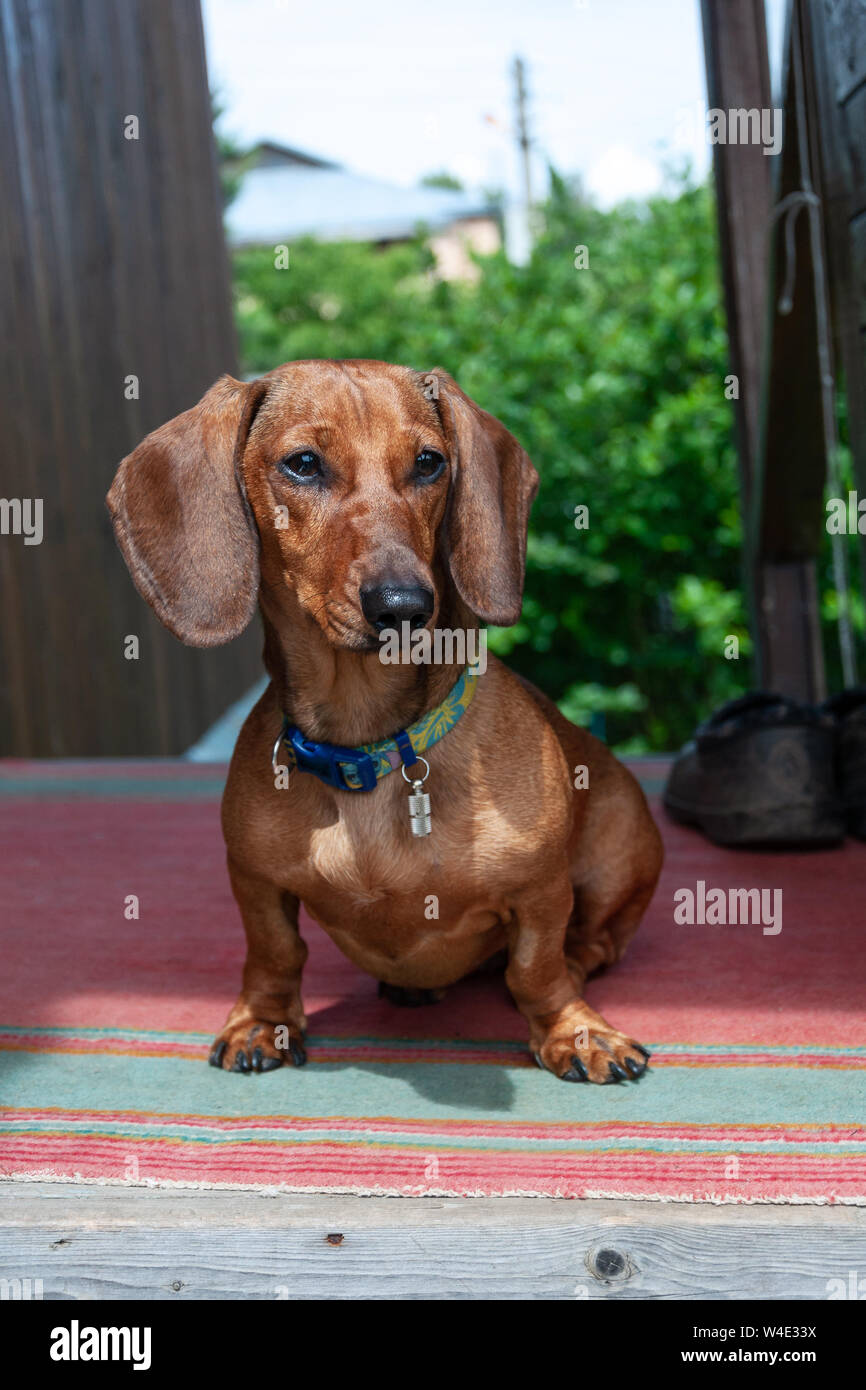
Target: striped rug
757, 1090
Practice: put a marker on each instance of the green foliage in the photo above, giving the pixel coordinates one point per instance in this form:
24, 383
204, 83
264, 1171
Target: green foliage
612, 377
442, 180
831, 601
336, 299
232, 158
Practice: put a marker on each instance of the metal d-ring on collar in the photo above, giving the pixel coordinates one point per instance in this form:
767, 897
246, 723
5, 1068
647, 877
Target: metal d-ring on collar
277, 742
411, 780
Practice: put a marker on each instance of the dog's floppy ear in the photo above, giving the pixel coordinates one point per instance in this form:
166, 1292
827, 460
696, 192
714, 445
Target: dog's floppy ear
493, 485
183, 522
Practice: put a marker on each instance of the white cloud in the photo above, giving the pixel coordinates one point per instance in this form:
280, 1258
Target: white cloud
622, 173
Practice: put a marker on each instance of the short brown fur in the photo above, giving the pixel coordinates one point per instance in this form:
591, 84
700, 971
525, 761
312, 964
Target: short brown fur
519, 860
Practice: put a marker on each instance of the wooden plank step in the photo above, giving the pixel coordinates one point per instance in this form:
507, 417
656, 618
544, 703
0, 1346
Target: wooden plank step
91, 1242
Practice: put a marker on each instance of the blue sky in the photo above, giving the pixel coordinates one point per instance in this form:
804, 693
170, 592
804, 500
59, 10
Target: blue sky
399, 88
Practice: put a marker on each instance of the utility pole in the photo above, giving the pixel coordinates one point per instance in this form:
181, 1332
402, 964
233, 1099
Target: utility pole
523, 141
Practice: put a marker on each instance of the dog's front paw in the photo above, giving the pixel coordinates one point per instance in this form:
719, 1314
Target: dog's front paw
591, 1053
249, 1044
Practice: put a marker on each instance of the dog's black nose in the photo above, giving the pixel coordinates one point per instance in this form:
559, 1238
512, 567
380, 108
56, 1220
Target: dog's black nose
389, 605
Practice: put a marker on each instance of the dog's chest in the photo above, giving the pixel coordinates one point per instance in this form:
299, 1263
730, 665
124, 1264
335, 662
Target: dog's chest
363, 853
404, 908
370, 854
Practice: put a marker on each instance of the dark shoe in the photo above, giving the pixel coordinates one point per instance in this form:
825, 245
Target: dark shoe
848, 712
760, 771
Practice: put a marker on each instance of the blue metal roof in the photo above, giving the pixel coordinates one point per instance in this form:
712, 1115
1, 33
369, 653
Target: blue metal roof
279, 204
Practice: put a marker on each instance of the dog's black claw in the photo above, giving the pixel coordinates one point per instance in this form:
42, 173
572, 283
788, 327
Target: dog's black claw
270, 1064
299, 1056
217, 1053
616, 1072
538, 1061
241, 1063
635, 1069
577, 1071
256, 1059
644, 1051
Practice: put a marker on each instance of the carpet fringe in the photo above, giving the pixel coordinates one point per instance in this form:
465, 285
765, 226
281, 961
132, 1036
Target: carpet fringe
290, 1190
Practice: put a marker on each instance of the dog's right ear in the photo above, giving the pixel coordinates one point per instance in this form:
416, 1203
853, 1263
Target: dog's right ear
182, 520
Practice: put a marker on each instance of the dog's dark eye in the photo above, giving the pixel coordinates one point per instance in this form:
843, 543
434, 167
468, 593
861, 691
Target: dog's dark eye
429, 464
303, 466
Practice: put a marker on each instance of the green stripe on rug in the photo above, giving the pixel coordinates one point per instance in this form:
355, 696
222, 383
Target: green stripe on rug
418, 1091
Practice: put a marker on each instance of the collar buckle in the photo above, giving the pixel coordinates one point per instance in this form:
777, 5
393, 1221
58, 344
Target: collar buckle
327, 761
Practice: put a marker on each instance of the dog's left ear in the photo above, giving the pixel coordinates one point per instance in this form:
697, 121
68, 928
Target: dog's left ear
492, 489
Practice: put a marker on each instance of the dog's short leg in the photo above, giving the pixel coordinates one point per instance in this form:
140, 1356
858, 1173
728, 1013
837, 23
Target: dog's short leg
599, 931
565, 1035
615, 867
265, 1027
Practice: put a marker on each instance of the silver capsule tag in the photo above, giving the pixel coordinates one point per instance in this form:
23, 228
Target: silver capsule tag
419, 801
419, 810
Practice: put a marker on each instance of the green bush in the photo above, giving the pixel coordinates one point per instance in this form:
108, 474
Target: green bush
612, 377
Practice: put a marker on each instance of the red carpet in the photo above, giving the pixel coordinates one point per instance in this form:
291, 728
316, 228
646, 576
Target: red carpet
758, 1082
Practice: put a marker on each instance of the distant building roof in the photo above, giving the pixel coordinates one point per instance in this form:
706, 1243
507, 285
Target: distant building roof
289, 194
267, 154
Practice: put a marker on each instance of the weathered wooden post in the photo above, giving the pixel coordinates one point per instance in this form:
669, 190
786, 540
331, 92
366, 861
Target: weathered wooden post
116, 316
779, 416
836, 54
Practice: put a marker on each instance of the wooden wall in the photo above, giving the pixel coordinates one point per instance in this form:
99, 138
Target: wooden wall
112, 264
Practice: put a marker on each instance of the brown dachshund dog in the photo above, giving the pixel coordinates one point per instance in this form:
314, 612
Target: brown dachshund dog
344, 498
